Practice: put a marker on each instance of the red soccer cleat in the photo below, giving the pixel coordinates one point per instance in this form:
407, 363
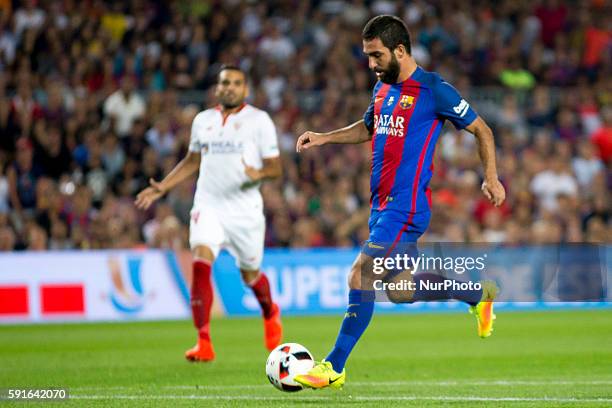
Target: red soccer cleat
203, 351
273, 329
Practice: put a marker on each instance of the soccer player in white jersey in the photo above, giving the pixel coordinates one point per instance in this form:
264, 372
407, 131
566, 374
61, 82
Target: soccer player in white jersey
234, 146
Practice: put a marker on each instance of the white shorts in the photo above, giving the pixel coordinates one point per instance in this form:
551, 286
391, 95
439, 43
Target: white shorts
242, 234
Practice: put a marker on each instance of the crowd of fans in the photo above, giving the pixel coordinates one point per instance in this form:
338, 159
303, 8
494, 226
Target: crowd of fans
97, 97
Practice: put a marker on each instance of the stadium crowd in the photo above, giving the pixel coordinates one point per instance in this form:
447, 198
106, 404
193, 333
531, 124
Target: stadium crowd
96, 97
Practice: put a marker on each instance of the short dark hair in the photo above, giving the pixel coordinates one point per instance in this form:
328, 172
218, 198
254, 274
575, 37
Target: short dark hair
226, 67
391, 30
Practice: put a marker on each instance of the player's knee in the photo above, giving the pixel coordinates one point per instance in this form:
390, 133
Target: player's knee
203, 252
361, 276
354, 279
249, 276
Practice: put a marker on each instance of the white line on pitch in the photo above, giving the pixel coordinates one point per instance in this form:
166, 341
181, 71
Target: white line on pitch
356, 398
370, 383
491, 382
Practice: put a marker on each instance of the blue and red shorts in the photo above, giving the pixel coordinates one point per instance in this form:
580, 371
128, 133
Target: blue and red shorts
394, 231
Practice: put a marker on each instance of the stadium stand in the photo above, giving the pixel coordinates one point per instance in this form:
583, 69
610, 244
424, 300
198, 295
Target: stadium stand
97, 97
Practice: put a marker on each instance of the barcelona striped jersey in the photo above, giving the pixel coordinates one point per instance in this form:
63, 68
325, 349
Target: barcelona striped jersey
405, 120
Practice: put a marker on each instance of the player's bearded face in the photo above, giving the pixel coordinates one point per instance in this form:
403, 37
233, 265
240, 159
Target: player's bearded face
382, 60
231, 89
389, 74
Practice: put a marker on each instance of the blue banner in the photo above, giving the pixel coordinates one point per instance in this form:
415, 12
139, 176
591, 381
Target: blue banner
302, 281
314, 281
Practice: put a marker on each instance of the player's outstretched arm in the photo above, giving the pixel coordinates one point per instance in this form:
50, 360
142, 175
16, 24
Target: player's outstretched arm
491, 187
355, 133
185, 168
271, 169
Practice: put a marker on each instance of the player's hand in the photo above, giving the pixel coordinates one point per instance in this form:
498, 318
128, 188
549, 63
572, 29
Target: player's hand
253, 174
308, 140
494, 191
149, 195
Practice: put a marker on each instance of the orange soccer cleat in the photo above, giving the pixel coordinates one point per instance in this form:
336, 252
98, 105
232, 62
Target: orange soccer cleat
273, 329
484, 309
203, 351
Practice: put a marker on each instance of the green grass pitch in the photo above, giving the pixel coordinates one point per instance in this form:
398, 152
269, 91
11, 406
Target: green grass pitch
533, 359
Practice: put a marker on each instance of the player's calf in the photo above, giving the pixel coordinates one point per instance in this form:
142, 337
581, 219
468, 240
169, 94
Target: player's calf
273, 328
397, 288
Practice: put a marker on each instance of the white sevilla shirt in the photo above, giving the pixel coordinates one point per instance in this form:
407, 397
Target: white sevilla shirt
248, 134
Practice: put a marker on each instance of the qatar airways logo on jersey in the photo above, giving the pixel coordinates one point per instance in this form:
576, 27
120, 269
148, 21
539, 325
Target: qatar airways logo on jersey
223, 147
389, 125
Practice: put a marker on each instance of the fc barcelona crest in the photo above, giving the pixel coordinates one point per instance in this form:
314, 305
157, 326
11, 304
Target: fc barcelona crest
406, 101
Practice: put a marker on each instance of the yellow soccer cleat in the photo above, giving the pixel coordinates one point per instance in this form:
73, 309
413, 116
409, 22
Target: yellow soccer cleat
322, 375
484, 309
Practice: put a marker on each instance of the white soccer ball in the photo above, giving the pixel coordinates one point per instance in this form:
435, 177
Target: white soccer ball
285, 362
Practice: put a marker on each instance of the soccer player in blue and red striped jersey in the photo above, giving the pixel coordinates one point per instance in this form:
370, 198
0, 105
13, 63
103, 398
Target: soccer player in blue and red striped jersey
403, 121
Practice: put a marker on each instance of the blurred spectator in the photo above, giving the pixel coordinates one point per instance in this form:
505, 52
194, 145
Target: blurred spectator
602, 138
24, 109
545, 232
541, 113
28, 17
51, 152
22, 176
516, 77
151, 227
550, 183
493, 227
4, 190
596, 231
37, 238
181, 201
586, 165
596, 38
59, 236
116, 22
168, 235
124, 106
80, 213
8, 44
7, 239
160, 137
95, 176
552, 15
113, 156
275, 45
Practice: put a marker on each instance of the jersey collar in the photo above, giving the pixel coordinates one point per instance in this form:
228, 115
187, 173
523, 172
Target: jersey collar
220, 109
225, 117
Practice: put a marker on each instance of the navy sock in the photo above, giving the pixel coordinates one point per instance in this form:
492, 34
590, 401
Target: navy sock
356, 320
471, 297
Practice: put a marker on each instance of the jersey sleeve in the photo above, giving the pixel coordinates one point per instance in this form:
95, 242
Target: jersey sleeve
450, 105
195, 145
268, 142
368, 116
